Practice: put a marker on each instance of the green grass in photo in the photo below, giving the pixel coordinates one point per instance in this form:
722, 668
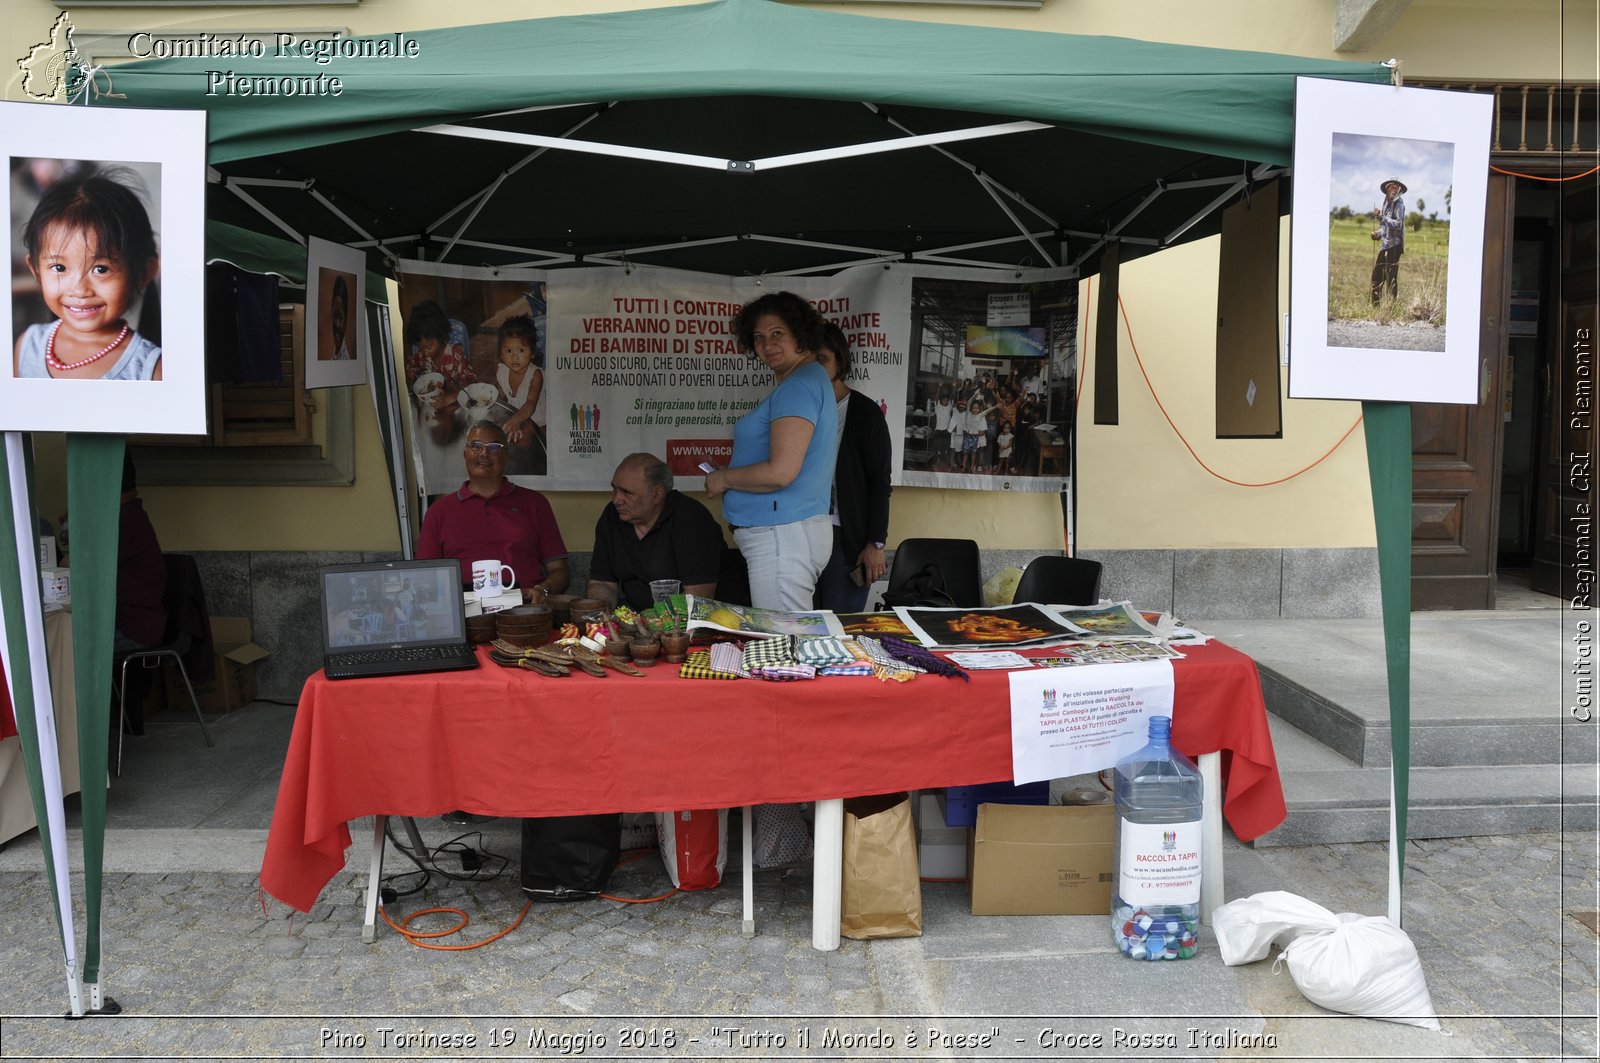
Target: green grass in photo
1424, 270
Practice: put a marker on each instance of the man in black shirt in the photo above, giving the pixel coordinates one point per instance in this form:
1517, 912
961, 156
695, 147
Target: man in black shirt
650, 531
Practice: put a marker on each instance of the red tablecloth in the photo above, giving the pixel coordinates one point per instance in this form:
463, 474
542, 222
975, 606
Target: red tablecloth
506, 742
8, 719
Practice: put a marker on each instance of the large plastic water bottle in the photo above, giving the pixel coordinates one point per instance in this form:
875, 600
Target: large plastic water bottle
1155, 891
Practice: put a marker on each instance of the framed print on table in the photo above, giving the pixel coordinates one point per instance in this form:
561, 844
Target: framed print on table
107, 262
1387, 242
335, 293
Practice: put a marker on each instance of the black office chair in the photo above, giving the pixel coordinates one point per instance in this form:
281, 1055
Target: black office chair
1060, 581
188, 634
953, 564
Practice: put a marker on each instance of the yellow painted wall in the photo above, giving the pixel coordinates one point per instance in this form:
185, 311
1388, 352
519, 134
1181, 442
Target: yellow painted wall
1138, 485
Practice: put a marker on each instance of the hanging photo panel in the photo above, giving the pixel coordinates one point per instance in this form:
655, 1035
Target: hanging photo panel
335, 292
105, 320
1387, 245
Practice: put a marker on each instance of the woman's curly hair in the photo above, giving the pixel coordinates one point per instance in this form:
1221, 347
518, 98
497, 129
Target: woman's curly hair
798, 315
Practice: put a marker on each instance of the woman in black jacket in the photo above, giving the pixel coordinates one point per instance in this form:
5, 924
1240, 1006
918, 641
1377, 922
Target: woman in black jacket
860, 487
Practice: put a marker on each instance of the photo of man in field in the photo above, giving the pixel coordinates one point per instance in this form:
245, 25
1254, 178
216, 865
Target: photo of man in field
1388, 266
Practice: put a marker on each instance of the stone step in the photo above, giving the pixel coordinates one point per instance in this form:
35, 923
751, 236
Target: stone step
1517, 737
1353, 805
1332, 799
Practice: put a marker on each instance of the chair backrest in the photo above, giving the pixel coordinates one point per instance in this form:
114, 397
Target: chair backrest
956, 561
1060, 581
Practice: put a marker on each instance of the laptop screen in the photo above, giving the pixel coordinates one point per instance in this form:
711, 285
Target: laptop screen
390, 603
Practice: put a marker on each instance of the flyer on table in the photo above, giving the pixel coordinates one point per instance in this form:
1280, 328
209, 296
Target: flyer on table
1067, 721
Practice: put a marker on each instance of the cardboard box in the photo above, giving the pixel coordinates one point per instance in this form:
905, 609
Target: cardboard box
234, 685
1042, 860
941, 850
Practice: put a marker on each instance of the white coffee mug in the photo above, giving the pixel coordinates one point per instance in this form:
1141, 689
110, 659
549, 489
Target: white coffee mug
489, 578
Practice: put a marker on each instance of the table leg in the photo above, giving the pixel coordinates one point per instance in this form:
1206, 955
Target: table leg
369, 928
419, 850
748, 867
827, 873
1211, 891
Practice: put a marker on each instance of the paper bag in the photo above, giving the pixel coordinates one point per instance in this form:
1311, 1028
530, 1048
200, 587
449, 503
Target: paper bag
882, 895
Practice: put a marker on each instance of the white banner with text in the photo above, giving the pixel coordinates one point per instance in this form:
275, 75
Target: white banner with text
582, 367
1068, 721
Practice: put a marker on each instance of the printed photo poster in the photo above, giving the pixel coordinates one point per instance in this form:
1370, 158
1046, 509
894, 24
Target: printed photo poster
105, 330
335, 333
647, 360
1021, 624
1387, 242
1069, 721
992, 379
473, 349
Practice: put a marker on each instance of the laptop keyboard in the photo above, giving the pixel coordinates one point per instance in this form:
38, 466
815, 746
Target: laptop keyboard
350, 663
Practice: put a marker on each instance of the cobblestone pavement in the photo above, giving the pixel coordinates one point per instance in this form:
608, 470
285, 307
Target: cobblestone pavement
205, 970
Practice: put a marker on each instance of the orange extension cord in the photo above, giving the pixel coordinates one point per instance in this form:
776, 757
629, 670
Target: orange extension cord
420, 938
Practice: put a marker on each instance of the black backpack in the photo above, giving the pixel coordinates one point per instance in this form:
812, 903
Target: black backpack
923, 588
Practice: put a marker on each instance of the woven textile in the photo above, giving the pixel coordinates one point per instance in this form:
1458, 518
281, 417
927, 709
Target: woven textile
882, 658
728, 657
758, 653
698, 666
786, 672
853, 668
821, 650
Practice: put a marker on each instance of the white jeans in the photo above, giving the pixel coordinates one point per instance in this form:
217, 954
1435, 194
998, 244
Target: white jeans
785, 561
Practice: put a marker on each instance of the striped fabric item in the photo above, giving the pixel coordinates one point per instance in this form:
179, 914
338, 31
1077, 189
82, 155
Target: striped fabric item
821, 650
853, 668
884, 666
784, 673
698, 666
759, 653
728, 657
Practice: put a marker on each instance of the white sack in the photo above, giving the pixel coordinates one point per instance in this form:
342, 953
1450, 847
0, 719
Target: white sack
1246, 929
1364, 966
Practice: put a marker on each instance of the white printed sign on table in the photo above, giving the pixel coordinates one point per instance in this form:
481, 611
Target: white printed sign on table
1068, 721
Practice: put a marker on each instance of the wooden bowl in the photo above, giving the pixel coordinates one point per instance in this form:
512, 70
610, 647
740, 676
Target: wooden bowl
525, 612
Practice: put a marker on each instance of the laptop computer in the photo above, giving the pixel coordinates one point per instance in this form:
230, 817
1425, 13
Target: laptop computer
393, 618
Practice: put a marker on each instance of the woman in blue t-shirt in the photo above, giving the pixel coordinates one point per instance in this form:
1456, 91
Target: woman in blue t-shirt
777, 485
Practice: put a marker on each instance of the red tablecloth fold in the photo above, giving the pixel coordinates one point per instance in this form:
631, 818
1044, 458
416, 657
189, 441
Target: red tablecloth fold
505, 742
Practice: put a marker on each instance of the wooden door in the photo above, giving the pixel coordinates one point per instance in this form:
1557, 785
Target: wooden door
1455, 450
1563, 559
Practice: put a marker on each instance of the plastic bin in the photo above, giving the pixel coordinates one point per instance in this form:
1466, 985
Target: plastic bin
961, 802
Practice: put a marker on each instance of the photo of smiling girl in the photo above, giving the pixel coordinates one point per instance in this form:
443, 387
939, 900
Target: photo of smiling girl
90, 246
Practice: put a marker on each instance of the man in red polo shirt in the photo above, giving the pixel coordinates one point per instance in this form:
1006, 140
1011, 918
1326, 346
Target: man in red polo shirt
490, 518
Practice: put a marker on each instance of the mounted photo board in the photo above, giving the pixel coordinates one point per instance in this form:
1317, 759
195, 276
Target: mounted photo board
335, 331
1387, 244
104, 338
